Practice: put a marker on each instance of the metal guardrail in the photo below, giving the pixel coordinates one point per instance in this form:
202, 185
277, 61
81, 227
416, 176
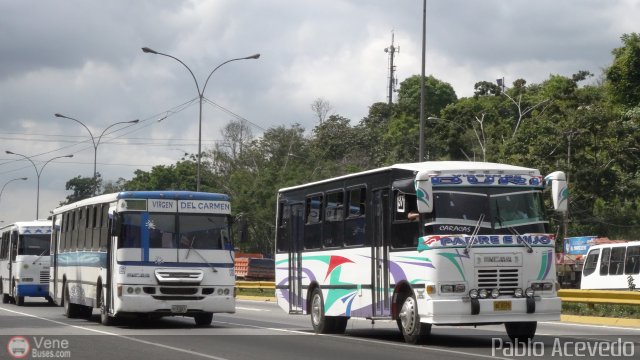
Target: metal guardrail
567, 295
262, 285
600, 296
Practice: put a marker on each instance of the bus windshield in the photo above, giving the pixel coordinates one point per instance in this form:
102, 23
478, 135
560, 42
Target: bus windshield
504, 209
171, 231
34, 245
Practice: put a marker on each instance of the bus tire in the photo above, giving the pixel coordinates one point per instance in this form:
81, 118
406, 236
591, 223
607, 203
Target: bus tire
19, 300
413, 331
521, 331
70, 310
203, 319
5, 297
105, 318
322, 324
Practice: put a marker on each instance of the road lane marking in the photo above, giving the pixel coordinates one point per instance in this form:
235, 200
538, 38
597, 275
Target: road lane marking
367, 340
250, 309
190, 352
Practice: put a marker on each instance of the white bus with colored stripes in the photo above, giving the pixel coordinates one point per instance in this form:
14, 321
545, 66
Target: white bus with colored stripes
431, 243
24, 261
144, 253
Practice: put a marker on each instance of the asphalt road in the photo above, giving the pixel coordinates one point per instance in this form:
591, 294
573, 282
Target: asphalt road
261, 330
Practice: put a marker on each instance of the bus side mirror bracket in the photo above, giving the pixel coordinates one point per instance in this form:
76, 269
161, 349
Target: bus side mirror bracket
116, 225
424, 193
559, 190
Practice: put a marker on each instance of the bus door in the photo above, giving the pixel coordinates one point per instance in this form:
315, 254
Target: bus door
55, 241
296, 236
380, 253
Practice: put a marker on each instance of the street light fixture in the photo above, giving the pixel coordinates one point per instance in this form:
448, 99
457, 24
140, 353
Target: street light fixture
200, 96
7, 183
38, 173
96, 143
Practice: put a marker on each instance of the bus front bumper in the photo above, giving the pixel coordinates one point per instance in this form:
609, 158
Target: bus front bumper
488, 311
33, 290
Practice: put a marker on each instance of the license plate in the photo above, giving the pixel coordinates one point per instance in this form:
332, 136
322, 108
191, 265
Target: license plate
178, 309
502, 306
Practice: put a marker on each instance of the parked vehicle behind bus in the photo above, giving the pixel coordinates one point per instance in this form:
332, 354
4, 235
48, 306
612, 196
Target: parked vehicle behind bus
612, 267
432, 243
144, 253
24, 261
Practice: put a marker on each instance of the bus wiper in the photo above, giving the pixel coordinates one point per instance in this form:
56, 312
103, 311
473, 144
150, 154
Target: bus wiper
39, 256
515, 233
199, 254
474, 235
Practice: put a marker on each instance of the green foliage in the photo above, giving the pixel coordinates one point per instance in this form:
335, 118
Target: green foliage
82, 188
623, 75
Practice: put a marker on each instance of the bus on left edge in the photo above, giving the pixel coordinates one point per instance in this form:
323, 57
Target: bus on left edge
24, 261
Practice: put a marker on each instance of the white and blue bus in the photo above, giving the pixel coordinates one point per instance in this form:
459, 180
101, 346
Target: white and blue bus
431, 243
150, 253
24, 261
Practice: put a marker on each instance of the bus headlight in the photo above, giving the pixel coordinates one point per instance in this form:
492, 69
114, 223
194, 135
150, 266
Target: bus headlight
517, 293
129, 290
483, 293
528, 292
473, 293
226, 291
495, 293
452, 288
542, 286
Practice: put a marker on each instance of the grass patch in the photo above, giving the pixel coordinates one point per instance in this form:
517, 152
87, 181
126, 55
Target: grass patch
602, 310
255, 292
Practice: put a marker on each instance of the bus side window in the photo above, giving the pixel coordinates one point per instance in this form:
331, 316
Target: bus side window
604, 263
616, 262
632, 263
591, 262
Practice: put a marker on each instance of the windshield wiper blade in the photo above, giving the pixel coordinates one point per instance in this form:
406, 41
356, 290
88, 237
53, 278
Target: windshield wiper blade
515, 233
199, 254
39, 256
474, 235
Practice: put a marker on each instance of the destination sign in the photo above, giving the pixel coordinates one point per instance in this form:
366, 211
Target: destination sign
482, 179
204, 206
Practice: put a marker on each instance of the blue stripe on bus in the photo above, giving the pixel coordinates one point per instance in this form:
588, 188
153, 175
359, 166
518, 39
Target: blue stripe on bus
175, 264
144, 234
175, 195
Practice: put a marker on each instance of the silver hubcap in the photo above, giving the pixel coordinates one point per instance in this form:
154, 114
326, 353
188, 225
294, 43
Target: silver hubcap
407, 315
316, 309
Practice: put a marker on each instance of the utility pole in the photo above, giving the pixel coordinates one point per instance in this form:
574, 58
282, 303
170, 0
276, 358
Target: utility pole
393, 81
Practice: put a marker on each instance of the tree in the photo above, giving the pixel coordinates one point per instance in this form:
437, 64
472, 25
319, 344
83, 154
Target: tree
82, 188
321, 109
438, 94
623, 76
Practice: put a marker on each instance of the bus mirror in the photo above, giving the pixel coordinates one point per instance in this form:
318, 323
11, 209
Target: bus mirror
559, 190
424, 193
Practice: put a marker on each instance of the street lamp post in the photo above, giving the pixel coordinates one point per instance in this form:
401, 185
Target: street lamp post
95, 143
200, 96
38, 173
7, 183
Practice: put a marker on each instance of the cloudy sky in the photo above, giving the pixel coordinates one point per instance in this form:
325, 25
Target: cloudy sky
83, 59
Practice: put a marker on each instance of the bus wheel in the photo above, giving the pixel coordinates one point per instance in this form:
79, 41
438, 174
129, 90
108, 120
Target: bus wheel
413, 330
105, 318
521, 331
321, 324
18, 299
70, 310
5, 297
203, 319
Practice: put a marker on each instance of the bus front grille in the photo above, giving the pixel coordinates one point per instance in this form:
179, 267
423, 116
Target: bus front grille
506, 280
44, 277
177, 276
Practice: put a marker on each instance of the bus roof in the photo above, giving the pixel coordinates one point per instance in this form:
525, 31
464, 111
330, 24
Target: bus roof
440, 168
172, 195
24, 226
615, 243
